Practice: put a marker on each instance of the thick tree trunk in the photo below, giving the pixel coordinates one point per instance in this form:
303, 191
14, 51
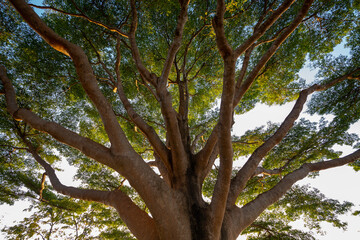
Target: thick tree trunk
198, 209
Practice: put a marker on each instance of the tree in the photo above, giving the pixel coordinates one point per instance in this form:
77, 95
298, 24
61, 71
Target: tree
145, 93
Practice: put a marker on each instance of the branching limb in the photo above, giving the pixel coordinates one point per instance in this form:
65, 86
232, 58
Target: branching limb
224, 48
136, 219
271, 51
214, 155
170, 116
254, 208
85, 145
241, 85
221, 189
244, 68
161, 91
175, 45
174, 133
165, 173
241, 178
148, 131
84, 71
239, 182
202, 157
84, 194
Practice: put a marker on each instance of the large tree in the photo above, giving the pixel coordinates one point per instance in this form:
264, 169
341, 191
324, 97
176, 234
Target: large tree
141, 97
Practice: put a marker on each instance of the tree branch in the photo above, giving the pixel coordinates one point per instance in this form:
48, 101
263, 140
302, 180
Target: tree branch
221, 189
144, 72
179, 156
271, 51
261, 29
261, 170
82, 15
241, 178
244, 68
225, 49
138, 221
196, 140
85, 145
84, 71
187, 48
149, 132
175, 45
84, 194
210, 163
202, 157
254, 208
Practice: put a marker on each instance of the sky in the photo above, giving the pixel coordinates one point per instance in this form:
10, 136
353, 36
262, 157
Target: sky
341, 183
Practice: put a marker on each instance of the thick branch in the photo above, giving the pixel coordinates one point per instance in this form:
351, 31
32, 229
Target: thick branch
196, 141
164, 171
85, 145
241, 178
149, 132
84, 194
254, 208
225, 49
202, 157
138, 221
84, 71
210, 163
179, 156
239, 182
221, 189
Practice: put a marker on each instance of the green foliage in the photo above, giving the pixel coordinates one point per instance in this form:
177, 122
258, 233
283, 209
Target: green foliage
46, 82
